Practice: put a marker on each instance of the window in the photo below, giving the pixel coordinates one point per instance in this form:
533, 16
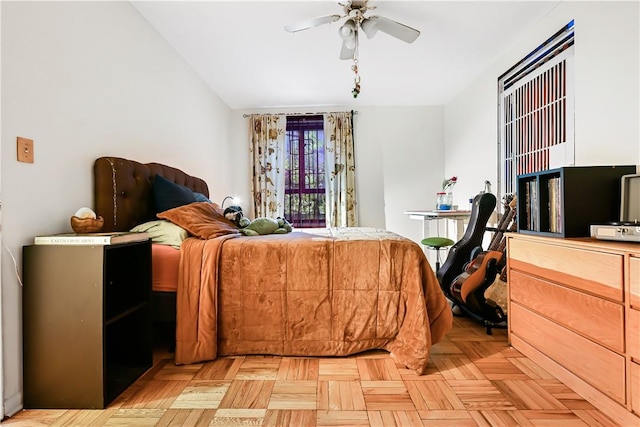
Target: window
536, 103
304, 200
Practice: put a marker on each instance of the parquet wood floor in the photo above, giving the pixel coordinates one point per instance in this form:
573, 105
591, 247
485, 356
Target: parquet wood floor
473, 379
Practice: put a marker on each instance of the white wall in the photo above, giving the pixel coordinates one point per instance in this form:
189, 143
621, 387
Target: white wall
399, 167
408, 145
86, 79
607, 111
607, 57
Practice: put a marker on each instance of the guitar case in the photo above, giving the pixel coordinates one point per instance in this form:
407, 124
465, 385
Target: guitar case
461, 252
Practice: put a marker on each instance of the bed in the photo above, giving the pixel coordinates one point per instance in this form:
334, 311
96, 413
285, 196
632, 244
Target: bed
313, 292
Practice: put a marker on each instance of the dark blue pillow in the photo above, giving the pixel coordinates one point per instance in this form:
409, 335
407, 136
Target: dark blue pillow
168, 195
201, 197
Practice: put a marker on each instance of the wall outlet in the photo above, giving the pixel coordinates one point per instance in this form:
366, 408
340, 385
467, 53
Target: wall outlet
25, 150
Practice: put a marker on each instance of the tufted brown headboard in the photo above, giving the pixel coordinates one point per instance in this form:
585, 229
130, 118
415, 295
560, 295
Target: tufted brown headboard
123, 193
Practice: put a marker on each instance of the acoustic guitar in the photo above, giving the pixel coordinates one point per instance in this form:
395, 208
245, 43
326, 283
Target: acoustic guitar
483, 266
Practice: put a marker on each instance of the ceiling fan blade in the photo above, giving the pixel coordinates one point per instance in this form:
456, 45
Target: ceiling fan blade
347, 52
393, 28
310, 23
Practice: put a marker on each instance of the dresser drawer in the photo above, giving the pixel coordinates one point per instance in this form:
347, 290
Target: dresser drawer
633, 334
595, 272
602, 368
634, 282
635, 387
590, 316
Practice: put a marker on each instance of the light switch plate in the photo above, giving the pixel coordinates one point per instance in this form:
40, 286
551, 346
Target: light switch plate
25, 150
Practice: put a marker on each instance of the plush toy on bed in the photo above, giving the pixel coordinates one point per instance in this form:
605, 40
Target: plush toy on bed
235, 215
263, 225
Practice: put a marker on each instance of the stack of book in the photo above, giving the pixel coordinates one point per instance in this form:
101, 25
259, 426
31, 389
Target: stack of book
114, 238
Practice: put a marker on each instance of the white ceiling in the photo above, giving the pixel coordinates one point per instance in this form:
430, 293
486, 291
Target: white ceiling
241, 50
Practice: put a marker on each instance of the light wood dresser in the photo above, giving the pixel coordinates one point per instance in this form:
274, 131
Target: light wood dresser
574, 309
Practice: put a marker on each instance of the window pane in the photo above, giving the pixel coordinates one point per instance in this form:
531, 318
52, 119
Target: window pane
536, 109
304, 171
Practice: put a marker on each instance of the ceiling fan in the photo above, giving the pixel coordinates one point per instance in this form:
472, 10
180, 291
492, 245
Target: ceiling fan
354, 11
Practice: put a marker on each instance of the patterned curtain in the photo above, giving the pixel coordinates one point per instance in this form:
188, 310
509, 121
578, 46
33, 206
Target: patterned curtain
340, 170
267, 137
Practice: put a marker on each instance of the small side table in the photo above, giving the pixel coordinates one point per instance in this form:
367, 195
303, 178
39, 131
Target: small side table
459, 218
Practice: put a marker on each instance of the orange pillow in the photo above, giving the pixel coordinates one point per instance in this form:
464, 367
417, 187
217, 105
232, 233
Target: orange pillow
201, 219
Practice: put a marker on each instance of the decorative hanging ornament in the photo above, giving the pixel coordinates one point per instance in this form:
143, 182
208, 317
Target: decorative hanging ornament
356, 80
356, 51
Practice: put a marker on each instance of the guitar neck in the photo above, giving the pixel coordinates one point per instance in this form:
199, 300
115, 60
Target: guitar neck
504, 221
512, 227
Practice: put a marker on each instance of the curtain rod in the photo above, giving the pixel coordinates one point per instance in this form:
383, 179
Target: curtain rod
300, 114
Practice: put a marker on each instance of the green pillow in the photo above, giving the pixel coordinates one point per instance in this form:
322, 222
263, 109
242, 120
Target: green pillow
163, 232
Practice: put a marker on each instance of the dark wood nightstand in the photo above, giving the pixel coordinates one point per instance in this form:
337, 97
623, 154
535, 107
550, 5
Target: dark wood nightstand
86, 322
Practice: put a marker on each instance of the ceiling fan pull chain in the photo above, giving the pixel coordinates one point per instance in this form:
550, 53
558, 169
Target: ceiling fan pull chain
356, 90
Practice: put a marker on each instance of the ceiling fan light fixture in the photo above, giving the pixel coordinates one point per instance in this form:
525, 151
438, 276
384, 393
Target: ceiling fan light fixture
348, 29
350, 43
368, 25
347, 52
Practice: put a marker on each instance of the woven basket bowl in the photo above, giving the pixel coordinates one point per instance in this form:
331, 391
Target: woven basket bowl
86, 225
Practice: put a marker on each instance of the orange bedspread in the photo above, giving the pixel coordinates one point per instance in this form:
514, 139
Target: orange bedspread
332, 292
